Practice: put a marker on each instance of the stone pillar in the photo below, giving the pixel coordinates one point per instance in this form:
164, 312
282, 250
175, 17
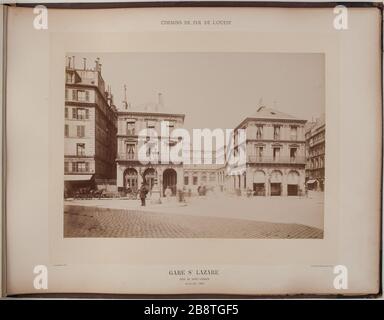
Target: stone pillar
139, 178
249, 173
284, 183
267, 184
120, 176
190, 178
180, 178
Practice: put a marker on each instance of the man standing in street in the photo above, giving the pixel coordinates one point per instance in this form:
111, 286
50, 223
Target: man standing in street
143, 193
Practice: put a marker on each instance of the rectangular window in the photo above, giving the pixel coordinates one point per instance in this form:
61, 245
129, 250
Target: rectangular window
292, 153
80, 149
66, 113
74, 95
151, 124
81, 167
194, 180
130, 151
69, 77
66, 94
131, 128
66, 166
293, 133
87, 96
74, 167
276, 132
80, 131
86, 114
171, 124
276, 153
259, 153
66, 130
81, 95
186, 180
259, 132
74, 113
81, 113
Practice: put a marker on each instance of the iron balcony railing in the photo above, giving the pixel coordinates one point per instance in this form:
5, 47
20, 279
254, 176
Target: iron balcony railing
279, 159
127, 156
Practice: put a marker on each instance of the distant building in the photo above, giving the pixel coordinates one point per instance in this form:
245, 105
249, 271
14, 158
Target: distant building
275, 155
211, 175
315, 144
89, 126
131, 172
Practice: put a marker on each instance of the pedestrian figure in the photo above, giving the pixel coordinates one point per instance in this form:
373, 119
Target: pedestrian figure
168, 193
143, 194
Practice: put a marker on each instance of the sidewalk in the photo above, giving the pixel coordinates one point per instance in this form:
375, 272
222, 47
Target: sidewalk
300, 210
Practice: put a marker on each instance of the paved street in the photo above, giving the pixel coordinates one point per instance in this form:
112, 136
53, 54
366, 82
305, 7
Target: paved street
212, 217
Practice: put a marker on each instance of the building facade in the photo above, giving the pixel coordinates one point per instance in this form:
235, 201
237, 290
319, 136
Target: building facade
89, 126
315, 143
130, 171
275, 155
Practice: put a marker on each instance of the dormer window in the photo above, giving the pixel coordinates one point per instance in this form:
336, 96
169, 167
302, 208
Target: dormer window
151, 124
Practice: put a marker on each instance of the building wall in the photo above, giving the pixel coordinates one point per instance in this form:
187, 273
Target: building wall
130, 123
90, 124
315, 142
267, 172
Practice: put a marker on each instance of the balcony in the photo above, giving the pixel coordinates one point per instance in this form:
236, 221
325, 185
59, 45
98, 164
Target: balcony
127, 156
281, 159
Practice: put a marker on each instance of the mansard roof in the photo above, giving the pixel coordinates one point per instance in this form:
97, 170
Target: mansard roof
268, 114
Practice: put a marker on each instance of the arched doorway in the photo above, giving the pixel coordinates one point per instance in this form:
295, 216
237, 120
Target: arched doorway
169, 180
259, 183
130, 179
293, 183
149, 177
276, 183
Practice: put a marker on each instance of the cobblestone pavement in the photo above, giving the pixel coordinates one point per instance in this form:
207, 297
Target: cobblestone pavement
83, 221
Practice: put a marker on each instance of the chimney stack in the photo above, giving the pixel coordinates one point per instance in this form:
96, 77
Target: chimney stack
125, 102
98, 65
160, 100
73, 62
85, 63
69, 62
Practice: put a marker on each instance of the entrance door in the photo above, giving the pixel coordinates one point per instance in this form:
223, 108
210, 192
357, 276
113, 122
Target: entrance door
169, 180
293, 183
149, 177
276, 183
275, 189
259, 189
293, 190
130, 179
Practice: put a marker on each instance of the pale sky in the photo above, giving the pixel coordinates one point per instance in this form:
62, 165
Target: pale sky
216, 90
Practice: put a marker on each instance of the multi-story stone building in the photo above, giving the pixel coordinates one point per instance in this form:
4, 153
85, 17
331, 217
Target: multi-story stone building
315, 143
89, 126
131, 171
211, 175
275, 155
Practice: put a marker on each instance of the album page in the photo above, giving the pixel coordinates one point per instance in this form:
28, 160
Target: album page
194, 151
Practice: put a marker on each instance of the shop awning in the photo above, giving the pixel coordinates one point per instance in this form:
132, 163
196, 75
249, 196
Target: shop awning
311, 181
80, 177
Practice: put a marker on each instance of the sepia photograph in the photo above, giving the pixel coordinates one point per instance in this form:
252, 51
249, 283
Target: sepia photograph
160, 152
194, 145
